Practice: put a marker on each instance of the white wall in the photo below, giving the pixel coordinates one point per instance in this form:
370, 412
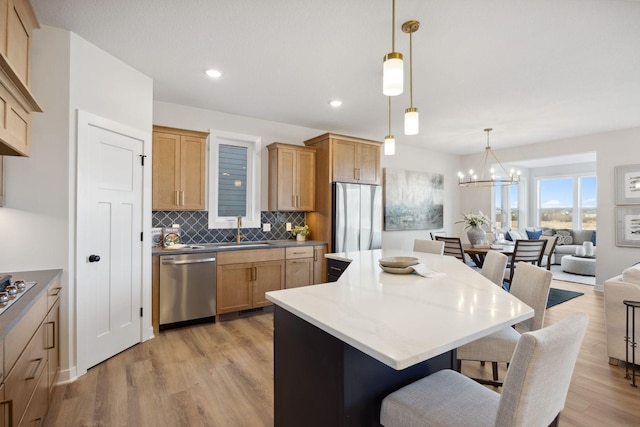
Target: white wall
422, 160
612, 149
67, 74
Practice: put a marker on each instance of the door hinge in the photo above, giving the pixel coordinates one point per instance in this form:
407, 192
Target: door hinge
142, 236
141, 311
142, 157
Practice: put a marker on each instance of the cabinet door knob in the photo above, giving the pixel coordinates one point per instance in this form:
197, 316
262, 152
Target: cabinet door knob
94, 258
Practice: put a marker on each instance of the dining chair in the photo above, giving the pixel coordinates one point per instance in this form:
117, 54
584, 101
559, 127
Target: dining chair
429, 246
534, 393
531, 286
437, 233
549, 248
525, 251
493, 266
452, 246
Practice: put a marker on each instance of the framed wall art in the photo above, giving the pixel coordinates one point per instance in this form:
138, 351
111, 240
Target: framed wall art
412, 200
628, 226
628, 185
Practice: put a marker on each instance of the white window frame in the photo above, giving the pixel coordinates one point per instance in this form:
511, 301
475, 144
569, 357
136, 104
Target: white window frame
253, 144
576, 207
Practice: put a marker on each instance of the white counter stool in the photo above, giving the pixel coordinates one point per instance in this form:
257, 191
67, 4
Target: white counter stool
535, 389
584, 266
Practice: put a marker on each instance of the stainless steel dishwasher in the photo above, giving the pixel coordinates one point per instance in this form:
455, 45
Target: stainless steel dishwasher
187, 288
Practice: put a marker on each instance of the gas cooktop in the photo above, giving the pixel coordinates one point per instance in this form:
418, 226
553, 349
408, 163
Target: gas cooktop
11, 291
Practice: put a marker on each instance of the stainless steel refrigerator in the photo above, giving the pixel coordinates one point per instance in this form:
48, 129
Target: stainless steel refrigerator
357, 217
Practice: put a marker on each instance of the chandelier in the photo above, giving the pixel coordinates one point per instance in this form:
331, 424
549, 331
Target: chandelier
491, 179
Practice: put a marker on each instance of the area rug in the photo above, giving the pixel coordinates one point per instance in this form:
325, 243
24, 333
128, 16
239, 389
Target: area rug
558, 296
558, 274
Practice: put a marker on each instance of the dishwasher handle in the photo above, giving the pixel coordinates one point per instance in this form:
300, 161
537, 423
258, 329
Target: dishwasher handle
188, 261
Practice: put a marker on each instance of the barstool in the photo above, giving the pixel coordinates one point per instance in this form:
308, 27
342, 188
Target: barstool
631, 306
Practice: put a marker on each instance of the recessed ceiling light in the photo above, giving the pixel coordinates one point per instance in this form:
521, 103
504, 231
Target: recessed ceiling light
335, 103
214, 74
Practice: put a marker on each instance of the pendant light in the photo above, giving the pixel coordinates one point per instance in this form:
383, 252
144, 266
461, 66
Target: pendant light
389, 140
411, 118
492, 179
392, 67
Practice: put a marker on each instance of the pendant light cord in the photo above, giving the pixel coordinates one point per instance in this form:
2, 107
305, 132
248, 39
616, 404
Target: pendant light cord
393, 24
411, 68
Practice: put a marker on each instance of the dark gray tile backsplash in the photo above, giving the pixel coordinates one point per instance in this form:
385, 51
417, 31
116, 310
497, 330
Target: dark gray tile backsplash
193, 225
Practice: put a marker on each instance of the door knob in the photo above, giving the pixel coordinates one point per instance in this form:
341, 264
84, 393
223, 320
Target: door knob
94, 258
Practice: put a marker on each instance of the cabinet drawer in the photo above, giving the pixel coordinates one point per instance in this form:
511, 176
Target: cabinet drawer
37, 408
53, 295
299, 252
22, 380
17, 339
253, 255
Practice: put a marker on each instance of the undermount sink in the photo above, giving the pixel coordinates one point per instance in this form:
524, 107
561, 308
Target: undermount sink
231, 245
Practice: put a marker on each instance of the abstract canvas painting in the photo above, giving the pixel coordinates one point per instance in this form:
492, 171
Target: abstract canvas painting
412, 200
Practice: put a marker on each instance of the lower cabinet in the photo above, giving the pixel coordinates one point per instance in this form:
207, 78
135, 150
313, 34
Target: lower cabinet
242, 285
31, 363
299, 266
319, 264
335, 268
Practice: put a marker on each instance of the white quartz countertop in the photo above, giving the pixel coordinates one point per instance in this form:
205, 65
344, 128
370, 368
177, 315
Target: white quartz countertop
404, 319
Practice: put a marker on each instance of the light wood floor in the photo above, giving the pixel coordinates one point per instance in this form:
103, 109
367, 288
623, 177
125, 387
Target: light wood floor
222, 375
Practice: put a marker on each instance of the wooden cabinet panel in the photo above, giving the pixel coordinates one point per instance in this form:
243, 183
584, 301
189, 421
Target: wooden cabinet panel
344, 161
319, 264
242, 285
17, 21
52, 344
269, 276
299, 272
179, 163
37, 409
369, 171
23, 378
291, 177
234, 286
18, 338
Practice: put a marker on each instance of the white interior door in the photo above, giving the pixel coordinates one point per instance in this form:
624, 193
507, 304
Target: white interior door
109, 247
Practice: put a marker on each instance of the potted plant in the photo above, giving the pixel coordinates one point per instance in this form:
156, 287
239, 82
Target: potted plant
473, 226
300, 232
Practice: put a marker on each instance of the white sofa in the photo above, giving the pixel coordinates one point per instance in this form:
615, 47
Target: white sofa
617, 289
567, 243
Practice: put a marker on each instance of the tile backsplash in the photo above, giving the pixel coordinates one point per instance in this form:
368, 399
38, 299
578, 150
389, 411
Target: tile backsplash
194, 226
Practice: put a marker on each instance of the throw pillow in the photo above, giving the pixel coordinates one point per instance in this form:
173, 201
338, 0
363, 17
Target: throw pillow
559, 240
548, 232
514, 235
593, 238
567, 238
631, 275
534, 235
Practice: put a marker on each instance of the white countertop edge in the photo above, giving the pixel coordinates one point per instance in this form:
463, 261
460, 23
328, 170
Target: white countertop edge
397, 364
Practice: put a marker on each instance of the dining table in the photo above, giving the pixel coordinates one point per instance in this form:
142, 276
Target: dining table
341, 347
477, 253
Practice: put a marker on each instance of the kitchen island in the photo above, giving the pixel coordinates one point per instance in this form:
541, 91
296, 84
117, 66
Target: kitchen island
340, 348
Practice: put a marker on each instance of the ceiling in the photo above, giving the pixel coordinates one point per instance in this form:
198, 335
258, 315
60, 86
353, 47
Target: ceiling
532, 70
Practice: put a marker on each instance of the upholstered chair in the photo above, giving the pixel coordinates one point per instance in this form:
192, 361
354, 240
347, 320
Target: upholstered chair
534, 393
531, 286
548, 249
493, 266
437, 233
429, 246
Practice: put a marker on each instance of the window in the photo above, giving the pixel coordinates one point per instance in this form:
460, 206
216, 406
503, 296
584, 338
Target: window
567, 202
233, 180
507, 206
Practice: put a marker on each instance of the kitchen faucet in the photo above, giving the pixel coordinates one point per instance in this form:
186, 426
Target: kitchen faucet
238, 235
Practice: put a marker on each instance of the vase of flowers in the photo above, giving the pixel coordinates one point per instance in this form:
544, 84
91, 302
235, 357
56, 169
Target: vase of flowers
300, 232
473, 225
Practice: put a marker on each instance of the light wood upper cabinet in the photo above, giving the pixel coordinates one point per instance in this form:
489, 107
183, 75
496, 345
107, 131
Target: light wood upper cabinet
292, 172
350, 159
17, 21
179, 164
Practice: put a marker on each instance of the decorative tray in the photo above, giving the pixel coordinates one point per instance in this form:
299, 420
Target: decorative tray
398, 262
